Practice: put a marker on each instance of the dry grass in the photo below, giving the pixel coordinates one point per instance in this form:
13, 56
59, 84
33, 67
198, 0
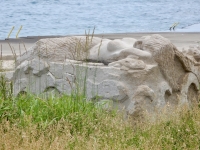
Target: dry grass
87, 127
69, 122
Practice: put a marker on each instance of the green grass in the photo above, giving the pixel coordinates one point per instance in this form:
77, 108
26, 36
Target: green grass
71, 122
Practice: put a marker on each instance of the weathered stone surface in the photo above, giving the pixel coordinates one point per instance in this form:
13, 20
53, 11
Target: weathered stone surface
59, 49
112, 50
142, 100
37, 66
129, 64
193, 51
8, 75
20, 85
136, 75
65, 85
107, 89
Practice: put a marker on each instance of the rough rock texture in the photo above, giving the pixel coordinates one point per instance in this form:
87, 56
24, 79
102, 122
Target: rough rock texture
59, 49
193, 52
138, 75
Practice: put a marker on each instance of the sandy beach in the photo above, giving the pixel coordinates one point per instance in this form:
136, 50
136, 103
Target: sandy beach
22, 44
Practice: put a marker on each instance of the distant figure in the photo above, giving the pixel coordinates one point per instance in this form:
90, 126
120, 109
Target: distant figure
173, 26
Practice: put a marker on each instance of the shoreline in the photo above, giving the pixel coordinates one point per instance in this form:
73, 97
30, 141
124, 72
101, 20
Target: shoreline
22, 44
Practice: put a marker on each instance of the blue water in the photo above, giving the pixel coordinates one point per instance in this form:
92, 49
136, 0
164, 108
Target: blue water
63, 17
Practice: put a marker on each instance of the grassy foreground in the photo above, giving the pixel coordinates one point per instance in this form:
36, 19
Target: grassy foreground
69, 122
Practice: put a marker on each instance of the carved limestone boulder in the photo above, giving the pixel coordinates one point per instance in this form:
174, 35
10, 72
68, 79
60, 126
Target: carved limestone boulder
135, 75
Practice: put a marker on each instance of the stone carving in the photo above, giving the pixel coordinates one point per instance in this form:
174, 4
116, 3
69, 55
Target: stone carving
193, 52
107, 89
138, 75
59, 49
143, 100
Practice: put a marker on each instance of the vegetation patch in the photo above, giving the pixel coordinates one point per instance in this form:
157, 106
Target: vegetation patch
72, 122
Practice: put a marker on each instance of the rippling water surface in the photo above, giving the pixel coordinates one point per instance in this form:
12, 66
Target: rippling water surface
61, 17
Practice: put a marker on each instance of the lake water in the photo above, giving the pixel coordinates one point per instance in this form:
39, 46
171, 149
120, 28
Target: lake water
64, 17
